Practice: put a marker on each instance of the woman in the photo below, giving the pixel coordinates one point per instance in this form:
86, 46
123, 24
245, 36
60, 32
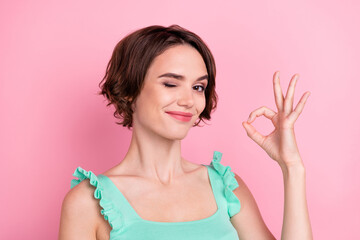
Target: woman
161, 80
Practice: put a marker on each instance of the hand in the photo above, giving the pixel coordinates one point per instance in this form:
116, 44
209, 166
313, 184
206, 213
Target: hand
280, 144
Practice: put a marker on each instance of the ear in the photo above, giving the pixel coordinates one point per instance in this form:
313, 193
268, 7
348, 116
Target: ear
133, 104
128, 98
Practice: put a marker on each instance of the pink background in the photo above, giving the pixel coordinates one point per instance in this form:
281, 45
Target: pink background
53, 55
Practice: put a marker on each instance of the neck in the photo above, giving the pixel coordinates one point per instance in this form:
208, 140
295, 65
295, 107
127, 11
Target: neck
154, 157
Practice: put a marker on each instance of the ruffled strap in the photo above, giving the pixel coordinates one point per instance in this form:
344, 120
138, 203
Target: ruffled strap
230, 183
109, 211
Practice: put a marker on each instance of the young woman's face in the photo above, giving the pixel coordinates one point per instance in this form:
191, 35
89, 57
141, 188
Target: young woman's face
162, 93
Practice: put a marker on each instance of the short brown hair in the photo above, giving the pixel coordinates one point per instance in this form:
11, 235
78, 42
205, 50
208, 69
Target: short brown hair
131, 59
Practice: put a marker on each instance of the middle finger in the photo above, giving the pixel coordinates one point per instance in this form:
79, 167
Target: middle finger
289, 99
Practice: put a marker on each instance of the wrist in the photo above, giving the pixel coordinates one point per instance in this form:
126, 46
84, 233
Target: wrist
294, 168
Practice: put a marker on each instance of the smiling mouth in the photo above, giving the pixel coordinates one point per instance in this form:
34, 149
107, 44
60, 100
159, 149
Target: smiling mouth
180, 117
180, 113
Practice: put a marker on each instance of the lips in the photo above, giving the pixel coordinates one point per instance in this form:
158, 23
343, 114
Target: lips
185, 114
182, 116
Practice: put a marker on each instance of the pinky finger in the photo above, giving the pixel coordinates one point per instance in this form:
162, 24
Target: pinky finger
299, 107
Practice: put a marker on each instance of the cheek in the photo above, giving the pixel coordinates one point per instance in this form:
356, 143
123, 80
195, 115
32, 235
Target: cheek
151, 105
200, 105
203, 103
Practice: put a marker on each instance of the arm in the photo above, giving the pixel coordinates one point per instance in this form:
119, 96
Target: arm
78, 213
296, 222
281, 146
249, 223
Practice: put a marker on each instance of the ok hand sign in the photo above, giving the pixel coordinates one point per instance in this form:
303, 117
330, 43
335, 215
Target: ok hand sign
280, 144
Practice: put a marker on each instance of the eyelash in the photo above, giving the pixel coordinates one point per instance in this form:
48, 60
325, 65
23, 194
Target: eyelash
171, 85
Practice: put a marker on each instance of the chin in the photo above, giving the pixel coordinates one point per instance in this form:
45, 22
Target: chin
177, 137
176, 134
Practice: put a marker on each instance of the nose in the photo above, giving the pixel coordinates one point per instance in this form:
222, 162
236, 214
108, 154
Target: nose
186, 98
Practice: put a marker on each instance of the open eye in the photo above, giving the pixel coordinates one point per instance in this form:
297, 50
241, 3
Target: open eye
202, 87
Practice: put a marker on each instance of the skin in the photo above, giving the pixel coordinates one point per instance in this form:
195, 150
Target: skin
155, 148
155, 169
281, 146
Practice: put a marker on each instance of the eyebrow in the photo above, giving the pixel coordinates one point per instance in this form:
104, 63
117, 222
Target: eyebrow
181, 77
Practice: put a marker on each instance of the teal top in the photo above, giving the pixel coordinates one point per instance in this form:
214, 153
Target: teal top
127, 224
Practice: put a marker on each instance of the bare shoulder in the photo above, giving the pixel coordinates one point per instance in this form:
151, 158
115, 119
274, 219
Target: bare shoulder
79, 213
248, 222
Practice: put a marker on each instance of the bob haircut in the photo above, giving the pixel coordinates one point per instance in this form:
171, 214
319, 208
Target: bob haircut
131, 59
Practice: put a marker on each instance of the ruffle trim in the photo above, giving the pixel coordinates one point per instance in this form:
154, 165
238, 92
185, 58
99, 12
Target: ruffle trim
230, 183
109, 211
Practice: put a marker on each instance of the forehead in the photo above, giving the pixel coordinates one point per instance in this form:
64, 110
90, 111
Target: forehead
181, 59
